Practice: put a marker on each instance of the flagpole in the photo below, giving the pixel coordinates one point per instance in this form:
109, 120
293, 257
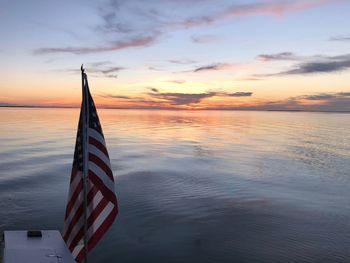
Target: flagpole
85, 157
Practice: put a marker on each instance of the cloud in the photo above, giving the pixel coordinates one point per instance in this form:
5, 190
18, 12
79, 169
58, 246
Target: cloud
176, 81
248, 79
182, 61
127, 102
99, 69
345, 94
274, 7
112, 23
174, 98
154, 68
100, 63
240, 94
338, 101
113, 76
324, 96
203, 39
271, 8
318, 97
330, 102
333, 101
124, 23
182, 98
141, 41
218, 66
110, 96
111, 69
316, 64
108, 71
330, 64
154, 97
153, 89
277, 56
340, 38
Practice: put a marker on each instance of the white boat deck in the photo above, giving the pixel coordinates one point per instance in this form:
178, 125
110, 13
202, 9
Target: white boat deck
49, 248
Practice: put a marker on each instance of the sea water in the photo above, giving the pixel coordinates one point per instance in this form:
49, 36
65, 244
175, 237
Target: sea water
192, 186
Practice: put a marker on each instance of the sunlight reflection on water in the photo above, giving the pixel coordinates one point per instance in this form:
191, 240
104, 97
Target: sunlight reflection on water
193, 186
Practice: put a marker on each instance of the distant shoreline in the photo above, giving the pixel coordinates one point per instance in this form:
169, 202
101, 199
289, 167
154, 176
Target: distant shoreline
71, 107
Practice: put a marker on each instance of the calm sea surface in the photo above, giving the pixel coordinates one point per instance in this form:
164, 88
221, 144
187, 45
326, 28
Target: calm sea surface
193, 186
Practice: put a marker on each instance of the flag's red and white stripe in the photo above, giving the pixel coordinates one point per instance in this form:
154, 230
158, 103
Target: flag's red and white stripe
101, 200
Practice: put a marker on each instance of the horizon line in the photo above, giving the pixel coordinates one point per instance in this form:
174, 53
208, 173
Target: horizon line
175, 109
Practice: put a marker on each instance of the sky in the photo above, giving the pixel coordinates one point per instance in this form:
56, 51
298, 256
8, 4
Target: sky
177, 54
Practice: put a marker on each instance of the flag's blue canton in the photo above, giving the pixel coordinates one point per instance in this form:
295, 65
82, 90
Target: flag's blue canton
78, 151
94, 122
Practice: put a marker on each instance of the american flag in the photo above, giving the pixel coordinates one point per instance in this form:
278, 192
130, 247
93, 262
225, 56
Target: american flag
95, 214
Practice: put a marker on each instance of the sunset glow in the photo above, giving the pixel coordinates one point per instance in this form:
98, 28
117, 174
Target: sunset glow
264, 55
